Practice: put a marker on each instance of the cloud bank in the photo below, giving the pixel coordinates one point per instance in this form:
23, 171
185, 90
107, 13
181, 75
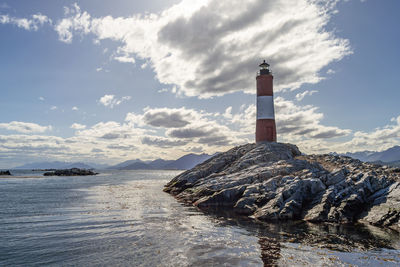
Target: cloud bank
211, 47
24, 127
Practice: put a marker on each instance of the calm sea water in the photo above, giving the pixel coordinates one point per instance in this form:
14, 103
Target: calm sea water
122, 218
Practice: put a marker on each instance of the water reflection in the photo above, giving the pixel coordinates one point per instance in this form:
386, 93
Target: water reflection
270, 250
302, 243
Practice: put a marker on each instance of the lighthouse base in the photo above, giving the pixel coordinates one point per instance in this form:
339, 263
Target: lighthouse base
265, 130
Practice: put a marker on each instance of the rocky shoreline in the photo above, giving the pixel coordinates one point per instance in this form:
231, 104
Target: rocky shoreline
276, 182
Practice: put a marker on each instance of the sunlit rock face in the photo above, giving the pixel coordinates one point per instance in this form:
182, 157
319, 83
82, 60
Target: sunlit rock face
274, 181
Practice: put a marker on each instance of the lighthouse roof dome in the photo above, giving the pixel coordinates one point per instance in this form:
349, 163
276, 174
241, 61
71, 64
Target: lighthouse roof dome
264, 64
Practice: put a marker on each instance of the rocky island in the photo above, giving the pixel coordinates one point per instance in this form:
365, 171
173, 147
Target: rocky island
275, 181
70, 172
5, 173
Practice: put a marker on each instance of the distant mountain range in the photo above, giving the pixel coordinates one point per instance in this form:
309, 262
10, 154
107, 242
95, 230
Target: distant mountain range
391, 155
61, 165
183, 163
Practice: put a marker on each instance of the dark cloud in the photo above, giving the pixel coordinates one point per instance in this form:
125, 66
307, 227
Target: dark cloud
162, 142
301, 127
122, 147
328, 133
215, 141
172, 118
111, 136
190, 132
209, 24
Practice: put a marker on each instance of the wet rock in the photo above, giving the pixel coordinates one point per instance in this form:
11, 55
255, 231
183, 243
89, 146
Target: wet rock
246, 205
274, 181
70, 172
226, 197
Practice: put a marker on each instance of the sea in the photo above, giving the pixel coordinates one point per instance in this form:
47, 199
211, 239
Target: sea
123, 218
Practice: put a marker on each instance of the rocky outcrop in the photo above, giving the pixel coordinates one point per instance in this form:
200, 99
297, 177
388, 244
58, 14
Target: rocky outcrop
5, 173
70, 172
274, 181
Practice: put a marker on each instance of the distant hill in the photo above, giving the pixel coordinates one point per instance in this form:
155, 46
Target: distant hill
389, 155
78, 165
137, 166
124, 164
187, 162
160, 163
60, 165
391, 163
183, 163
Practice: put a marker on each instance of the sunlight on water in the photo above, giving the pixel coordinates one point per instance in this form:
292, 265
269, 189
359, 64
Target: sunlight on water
122, 218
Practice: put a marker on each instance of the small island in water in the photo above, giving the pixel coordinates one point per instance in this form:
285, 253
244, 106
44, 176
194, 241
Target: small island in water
276, 182
70, 172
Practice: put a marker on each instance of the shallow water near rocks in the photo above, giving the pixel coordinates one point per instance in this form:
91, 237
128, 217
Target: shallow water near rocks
122, 218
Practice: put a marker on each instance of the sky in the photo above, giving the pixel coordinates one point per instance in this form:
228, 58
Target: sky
108, 81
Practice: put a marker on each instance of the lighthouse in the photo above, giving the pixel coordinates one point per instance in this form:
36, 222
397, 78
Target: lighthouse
265, 126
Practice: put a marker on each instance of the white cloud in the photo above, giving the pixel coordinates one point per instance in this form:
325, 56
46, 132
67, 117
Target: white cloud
380, 138
163, 90
303, 121
188, 125
29, 24
300, 96
24, 127
41, 98
109, 131
53, 107
78, 126
294, 123
78, 21
300, 125
125, 59
111, 101
162, 141
99, 69
228, 113
208, 48
75, 108
330, 71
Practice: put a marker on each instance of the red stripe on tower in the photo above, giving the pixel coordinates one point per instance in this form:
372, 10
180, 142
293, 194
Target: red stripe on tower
265, 127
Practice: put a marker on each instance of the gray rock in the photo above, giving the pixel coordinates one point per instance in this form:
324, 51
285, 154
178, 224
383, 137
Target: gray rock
226, 197
274, 181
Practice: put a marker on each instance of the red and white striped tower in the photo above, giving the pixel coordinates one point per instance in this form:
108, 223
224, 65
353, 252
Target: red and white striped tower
265, 127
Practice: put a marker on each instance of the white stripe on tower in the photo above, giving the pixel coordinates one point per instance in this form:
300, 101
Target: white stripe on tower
265, 107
